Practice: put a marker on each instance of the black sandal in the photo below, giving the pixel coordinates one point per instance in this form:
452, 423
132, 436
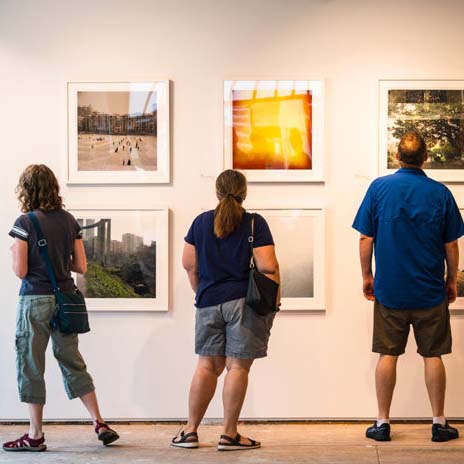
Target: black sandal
235, 445
186, 440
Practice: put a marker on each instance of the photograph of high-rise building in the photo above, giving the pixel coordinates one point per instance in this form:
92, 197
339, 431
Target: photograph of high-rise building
121, 259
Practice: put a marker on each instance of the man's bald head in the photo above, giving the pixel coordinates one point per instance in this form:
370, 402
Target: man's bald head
412, 149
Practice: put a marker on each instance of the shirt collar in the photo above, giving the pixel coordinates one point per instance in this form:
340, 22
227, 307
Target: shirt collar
416, 171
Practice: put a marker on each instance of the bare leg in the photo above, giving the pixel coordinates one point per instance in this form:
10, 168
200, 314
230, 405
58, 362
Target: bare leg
385, 380
233, 395
202, 388
91, 403
435, 379
36, 415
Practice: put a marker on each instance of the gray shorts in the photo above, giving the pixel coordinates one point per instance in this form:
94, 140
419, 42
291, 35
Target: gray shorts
232, 329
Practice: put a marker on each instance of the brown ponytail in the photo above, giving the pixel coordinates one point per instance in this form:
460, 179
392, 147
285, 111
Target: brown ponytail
231, 190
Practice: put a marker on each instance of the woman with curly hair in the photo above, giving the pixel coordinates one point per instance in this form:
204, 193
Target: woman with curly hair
38, 191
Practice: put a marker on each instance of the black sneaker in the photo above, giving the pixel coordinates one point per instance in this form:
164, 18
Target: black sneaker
381, 433
444, 432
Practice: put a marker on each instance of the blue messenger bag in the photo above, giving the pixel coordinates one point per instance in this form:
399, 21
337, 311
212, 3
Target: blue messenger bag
70, 316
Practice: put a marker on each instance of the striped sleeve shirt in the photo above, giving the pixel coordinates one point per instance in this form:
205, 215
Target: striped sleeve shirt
20, 228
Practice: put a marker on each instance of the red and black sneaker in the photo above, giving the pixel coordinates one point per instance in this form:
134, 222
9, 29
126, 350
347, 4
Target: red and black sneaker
105, 434
26, 444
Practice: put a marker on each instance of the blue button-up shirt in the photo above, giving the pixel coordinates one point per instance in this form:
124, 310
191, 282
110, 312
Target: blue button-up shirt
410, 217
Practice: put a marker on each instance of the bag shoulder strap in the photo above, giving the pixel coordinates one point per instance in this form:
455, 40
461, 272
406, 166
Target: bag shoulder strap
251, 239
43, 249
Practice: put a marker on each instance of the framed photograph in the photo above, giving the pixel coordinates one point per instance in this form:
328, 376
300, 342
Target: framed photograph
118, 132
435, 109
127, 253
273, 129
459, 303
299, 239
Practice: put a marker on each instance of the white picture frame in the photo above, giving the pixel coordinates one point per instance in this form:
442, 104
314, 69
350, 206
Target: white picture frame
289, 247
442, 174
316, 87
135, 222
137, 173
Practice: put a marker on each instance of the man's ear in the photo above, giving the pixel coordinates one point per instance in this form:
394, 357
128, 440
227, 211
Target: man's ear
397, 156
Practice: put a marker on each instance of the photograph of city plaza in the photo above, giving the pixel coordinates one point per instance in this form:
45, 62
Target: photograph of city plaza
117, 131
121, 258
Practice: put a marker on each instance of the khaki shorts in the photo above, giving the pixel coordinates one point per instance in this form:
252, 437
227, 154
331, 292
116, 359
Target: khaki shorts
32, 335
432, 330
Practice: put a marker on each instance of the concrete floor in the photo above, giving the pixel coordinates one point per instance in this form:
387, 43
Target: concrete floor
282, 443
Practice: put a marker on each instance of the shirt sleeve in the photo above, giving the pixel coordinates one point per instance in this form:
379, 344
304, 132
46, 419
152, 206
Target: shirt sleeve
454, 226
190, 237
77, 229
364, 220
262, 233
21, 229
74, 225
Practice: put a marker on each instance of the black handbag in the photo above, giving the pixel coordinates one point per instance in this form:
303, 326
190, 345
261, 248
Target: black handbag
262, 291
70, 316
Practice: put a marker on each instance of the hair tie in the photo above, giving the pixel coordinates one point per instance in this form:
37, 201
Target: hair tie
237, 198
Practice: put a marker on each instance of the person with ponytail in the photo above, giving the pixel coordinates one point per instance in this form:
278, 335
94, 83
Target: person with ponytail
228, 334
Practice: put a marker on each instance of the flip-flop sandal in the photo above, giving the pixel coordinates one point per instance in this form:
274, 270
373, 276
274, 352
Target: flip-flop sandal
233, 444
106, 436
186, 440
25, 443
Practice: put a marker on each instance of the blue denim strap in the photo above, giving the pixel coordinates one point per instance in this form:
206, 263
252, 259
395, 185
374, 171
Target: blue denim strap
43, 249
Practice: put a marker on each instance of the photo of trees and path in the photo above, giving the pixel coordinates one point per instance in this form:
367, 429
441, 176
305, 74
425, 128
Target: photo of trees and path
438, 115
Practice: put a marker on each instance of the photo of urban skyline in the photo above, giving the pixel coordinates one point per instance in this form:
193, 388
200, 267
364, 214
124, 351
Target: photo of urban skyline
121, 258
117, 130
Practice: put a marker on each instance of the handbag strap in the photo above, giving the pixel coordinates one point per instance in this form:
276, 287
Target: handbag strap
43, 249
251, 239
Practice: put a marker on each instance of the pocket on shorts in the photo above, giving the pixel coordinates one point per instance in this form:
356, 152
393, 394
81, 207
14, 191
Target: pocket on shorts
260, 325
22, 316
42, 308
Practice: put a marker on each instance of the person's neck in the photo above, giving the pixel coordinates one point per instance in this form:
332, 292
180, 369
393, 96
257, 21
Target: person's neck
411, 166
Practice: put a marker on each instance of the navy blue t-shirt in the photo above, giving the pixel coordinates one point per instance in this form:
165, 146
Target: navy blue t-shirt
224, 263
410, 217
60, 229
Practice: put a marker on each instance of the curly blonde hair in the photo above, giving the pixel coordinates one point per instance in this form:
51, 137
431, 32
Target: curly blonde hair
38, 188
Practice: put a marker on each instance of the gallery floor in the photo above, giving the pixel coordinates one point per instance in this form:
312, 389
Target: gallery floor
282, 443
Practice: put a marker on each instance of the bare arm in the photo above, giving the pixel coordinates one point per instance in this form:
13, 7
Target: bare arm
366, 248
452, 262
190, 263
19, 255
78, 257
266, 263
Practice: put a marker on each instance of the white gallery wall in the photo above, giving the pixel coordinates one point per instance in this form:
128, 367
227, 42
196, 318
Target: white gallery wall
320, 364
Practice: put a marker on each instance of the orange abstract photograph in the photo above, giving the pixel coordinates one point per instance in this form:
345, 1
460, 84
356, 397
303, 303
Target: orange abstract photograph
272, 129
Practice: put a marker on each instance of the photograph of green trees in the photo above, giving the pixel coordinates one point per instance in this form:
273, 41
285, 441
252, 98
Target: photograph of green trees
438, 115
